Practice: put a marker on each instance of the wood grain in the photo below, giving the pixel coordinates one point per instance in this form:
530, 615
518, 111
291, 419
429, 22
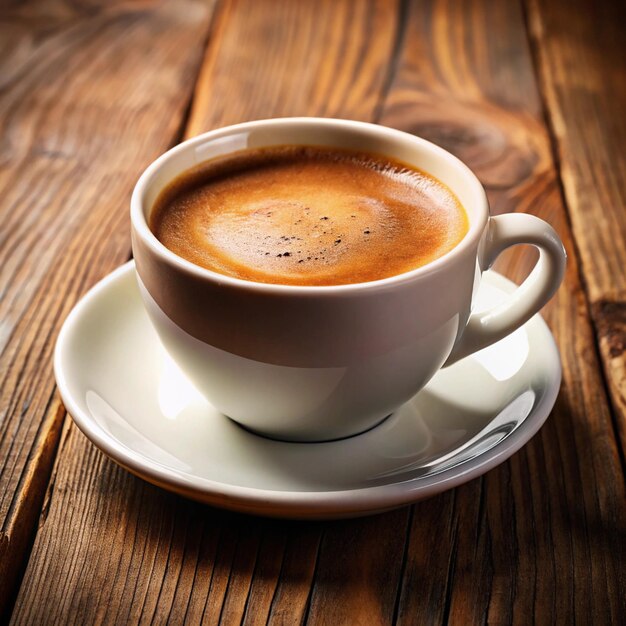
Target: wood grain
77, 120
540, 535
581, 56
107, 534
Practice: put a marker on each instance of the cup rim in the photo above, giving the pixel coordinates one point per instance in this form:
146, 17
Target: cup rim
141, 228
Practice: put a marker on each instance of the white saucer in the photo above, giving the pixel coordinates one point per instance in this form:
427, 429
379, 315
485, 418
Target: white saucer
130, 399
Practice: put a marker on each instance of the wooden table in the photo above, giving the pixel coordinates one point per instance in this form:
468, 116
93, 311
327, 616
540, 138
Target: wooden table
531, 95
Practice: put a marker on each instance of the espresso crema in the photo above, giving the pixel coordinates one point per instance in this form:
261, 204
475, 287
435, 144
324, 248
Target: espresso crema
306, 215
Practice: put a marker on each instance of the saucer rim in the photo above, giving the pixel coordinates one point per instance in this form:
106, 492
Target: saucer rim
290, 503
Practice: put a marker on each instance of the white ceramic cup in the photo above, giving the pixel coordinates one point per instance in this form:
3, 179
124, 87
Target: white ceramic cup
308, 363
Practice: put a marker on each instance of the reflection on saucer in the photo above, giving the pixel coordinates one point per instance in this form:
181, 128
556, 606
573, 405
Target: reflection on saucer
504, 359
113, 423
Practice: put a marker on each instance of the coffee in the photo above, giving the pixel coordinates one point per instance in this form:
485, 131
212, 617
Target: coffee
305, 215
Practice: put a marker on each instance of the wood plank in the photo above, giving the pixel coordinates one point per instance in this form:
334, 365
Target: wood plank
579, 47
328, 59
106, 534
540, 536
77, 114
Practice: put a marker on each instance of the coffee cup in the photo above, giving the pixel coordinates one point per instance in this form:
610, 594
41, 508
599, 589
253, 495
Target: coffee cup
316, 363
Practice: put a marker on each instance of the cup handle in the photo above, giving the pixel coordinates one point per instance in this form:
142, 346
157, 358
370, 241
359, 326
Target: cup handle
507, 230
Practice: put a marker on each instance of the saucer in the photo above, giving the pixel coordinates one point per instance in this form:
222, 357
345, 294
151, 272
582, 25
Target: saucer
133, 402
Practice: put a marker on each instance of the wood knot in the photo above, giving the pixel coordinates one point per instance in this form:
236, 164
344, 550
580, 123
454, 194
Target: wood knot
610, 319
503, 147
